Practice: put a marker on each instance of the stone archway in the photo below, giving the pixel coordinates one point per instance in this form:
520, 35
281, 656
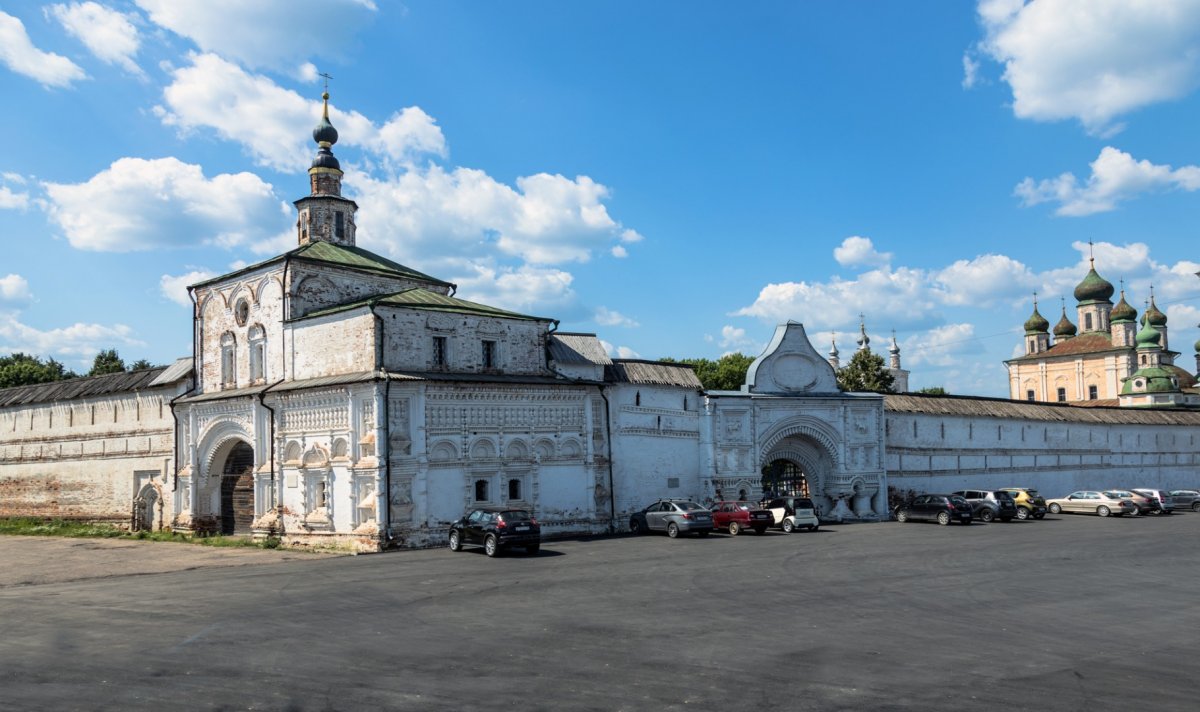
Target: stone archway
799, 465
143, 509
237, 490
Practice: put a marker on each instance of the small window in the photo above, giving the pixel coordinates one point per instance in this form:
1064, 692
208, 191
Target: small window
1029, 395
439, 351
481, 490
1087, 322
514, 489
241, 312
1092, 394
489, 354
672, 483
1062, 395
339, 224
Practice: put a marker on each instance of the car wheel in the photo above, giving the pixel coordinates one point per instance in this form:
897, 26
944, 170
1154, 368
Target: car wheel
533, 549
455, 541
672, 530
788, 526
943, 518
986, 516
491, 547
902, 516
1055, 508
635, 526
1196, 506
1103, 511
1135, 512
734, 528
1022, 513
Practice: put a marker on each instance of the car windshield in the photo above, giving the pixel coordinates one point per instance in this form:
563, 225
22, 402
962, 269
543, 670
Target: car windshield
515, 515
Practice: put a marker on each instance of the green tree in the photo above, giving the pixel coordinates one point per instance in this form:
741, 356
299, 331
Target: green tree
107, 361
24, 370
934, 391
727, 373
865, 373
140, 364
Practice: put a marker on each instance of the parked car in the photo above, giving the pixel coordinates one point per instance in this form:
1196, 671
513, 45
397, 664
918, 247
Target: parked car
496, 529
1166, 503
990, 505
1092, 502
792, 513
1186, 499
1029, 502
1144, 504
942, 508
674, 516
736, 516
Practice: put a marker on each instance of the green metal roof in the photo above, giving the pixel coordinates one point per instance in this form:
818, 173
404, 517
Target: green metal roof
1158, 380
339, 255
417, 298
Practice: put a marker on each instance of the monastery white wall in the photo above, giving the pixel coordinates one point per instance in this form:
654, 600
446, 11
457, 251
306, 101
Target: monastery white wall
409, 334
656, 446
219, 314
88, 458
928, 453
330, 345
320, 286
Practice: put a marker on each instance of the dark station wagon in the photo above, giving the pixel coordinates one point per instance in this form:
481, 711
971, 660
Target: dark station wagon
941, 508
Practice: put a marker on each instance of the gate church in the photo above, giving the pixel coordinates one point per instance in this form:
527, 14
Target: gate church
339, 398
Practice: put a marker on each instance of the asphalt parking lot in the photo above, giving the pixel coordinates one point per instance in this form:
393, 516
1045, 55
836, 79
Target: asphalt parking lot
1067, 613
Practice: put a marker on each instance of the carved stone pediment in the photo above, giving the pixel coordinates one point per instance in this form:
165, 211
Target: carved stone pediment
790, 365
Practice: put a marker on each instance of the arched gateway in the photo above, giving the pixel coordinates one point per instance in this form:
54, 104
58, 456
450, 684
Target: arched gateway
237, 491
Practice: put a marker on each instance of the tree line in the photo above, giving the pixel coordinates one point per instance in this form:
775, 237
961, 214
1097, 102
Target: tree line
21, 369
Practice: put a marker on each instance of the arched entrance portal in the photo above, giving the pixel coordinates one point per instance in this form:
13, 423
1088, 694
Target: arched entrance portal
784, 478
237, 490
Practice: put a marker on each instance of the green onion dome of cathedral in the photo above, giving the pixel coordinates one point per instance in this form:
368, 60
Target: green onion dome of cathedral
1064, 329
1036, 324
1154, 316
1148, 337
1093, 288
1122, 313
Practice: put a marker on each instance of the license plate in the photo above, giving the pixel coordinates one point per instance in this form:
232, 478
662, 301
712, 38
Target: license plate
523, 528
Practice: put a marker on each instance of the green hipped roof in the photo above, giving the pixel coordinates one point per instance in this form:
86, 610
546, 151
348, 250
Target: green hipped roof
1158, 380
353, 257
424, 299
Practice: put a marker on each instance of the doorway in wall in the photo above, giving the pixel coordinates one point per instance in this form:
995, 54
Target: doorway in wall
237, 491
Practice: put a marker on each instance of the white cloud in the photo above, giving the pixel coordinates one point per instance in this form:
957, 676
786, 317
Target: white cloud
856, 251
14, 288
619, 252
19, 54
77, 340
174, 287
942, 346
984, 281
531, 290
1092, 60
1116, 177
12, 200
277, 34
618, 351
139, 204
275, 124
607, 317
970, 71
733, 337
629, 236
108, 34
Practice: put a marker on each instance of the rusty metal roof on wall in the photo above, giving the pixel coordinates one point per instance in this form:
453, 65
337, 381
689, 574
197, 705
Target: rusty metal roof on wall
568, 347
1054, 412
656, 373
86, 387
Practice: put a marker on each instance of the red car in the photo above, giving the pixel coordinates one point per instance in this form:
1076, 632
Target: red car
736, 516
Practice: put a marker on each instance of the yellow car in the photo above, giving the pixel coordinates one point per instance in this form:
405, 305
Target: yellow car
1029, 502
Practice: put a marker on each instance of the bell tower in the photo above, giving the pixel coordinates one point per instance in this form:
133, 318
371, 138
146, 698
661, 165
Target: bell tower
324, 215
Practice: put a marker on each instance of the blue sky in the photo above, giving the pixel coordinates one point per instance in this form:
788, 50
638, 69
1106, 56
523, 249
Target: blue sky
676, 177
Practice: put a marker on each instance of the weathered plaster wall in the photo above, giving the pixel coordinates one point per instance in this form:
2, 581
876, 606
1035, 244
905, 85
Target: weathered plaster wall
220, 315
1104, 371
656, 445
330, 345
409, 334
320, 286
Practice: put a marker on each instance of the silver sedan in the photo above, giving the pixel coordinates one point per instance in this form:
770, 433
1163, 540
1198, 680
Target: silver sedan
1092, 502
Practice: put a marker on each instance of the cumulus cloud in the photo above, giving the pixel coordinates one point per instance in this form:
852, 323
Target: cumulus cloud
75, 341
1116, 177
619, 252
857, 251
276, 34
139, 204
174, 287
607, 317
945, 345
275, 125
18, 54
1092, 60
12, 200
618, 351
14, 288
526, 289
108, 34
970, 71
984, 281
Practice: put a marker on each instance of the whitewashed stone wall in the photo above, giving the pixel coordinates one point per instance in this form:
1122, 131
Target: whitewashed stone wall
330, 345
236, 308
409, 335
656, 446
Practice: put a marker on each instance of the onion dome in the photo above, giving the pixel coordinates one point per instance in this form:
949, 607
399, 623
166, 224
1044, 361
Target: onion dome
833, 350
325, 135
1036, 324
1148, 337
1064, 329
863, 341
1122, 313
894, 349
1197, 347
1093, 288
1153, 315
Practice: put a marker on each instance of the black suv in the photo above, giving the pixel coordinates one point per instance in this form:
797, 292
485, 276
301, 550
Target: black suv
496, 529
942, 508
990, 505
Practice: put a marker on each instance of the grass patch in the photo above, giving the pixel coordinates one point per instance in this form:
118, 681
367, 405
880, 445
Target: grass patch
32, 526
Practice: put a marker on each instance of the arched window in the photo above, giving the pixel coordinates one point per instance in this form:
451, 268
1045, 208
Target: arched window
514, 489
258, 353
481, 490
228, 360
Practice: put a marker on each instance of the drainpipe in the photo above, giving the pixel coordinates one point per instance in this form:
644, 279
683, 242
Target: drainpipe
612, 492
195, 382
262, 400
385, 516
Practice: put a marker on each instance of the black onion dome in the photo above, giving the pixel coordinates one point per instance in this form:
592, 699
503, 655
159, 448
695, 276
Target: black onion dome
1064, 328
1094, 288
324, 132
1036, 324
1123, 312
326, 159
1156, 317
